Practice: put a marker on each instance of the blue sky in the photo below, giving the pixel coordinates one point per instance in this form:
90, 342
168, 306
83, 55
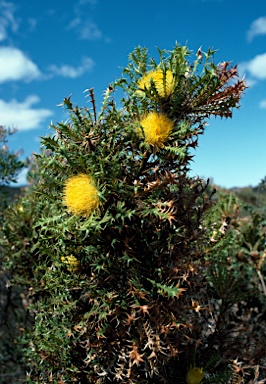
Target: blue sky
52, 49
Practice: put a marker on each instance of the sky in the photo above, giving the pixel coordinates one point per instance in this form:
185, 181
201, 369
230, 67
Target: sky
52, 49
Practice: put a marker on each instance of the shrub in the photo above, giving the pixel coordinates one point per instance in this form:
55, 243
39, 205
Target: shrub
128, 283
12, 312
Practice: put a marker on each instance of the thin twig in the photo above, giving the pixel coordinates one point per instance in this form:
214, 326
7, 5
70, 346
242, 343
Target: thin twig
262, 281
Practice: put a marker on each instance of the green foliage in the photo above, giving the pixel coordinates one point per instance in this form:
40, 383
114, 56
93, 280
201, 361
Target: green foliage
9, 164
154, 291
237, 283
12, 298
9, 167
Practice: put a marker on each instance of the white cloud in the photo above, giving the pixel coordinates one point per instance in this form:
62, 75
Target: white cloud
90, 31
15, 65
22, 178
7, 19
22, 115
87, 29
263, 104
258, 27
255, 67
83, 25
66, 70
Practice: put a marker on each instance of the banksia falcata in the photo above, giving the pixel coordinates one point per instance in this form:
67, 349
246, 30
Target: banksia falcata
80, 195
157, 127
164, 83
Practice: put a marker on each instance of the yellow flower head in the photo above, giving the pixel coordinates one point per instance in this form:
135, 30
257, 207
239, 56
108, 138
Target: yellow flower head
71, 262
194, 375
163, 87
157, 127
20, 208
80, 194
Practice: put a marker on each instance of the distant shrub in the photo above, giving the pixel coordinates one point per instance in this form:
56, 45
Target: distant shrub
12, 312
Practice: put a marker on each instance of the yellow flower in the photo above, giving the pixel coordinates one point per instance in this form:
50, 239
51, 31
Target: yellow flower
194, 375
157, 127
163, 87
20, 208
72, 263
80, 194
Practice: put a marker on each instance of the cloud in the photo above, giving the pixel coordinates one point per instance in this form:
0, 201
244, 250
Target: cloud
262, 104
66, 70
15, 65
32, 23
255, 67
90, 31
258, 27
7, 19
22, 115
84, 26
22, 178
86, 29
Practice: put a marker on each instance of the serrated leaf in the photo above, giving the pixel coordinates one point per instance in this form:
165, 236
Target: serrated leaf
165, 290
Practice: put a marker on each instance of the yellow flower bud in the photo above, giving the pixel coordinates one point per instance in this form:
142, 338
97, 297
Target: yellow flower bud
194, 375
71, 262
20, 208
